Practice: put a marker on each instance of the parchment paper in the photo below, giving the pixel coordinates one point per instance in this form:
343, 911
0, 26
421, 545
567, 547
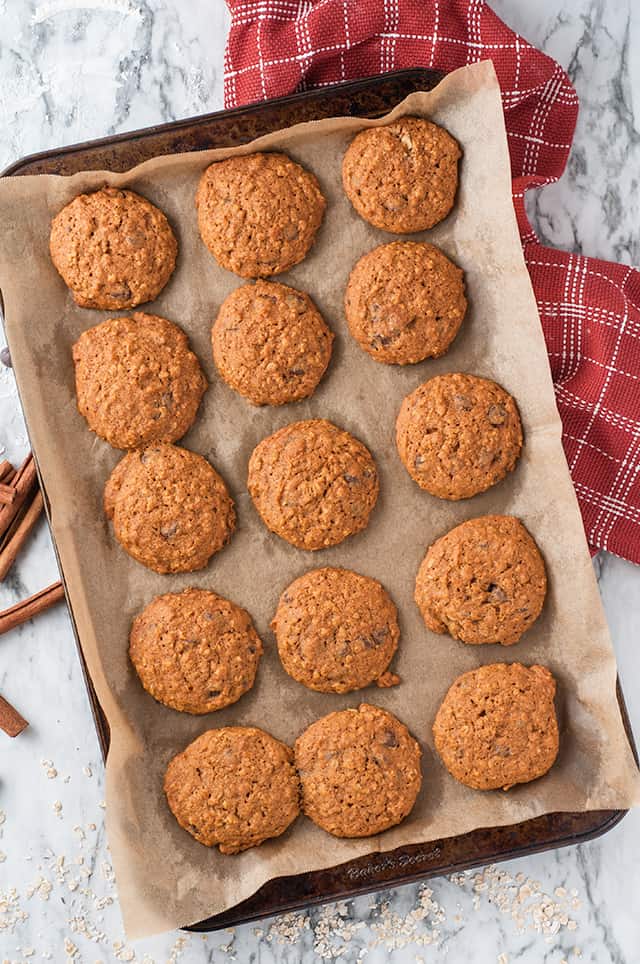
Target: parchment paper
164, 877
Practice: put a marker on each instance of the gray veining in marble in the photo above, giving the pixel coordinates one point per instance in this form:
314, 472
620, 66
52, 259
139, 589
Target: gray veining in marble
71, 70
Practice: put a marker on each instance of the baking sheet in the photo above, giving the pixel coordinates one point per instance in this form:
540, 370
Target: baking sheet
166, 879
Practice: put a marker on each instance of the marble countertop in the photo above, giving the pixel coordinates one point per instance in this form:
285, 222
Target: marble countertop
72, 70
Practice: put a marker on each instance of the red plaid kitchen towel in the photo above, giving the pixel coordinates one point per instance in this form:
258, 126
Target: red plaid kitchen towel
590, 309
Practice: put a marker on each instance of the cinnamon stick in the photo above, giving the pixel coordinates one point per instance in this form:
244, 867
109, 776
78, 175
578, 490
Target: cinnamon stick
13, 545
10, 720
17, 519
5, 468
28, 608
7, 494
23, 483
25, 464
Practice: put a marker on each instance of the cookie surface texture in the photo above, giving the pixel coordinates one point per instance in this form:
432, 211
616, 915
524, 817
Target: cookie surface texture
170, 509
313, 484
405, 302
137, 380
458, 435
359, 770
497, 726
233, 788
113, 249
195, 651
270, 343
259, 214
402, 177
482, 582
336, 630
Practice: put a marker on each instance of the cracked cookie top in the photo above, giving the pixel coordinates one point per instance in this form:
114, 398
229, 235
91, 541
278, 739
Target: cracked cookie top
270, 343
482, 582
137, 380
359, 770
337, 631
194, 650
497, 726
233, 788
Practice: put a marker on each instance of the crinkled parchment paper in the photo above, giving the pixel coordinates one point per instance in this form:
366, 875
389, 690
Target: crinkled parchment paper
164, 877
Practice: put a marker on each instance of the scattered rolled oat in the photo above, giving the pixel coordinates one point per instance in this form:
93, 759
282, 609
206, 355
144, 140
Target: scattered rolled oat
123, 953
49, 769
522, 899
176, 951
42, 887
287, 928
418, 927
331, 933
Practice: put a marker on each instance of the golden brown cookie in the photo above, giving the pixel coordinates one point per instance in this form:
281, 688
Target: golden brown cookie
270, 343
405, 302
113, 249
194, 650
233, 788
458, 435
137, 381
259, 214
359, 770
497, 726
313, 484
402, 177
483, 582
336, 631
170, 509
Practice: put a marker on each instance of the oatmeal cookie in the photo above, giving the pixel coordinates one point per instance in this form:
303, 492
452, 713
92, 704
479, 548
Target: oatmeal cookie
137, 381
194, 650
170, 509
405, 302
497, 726
402, 177
233, 788
458, 435
258, 214
313, 484
359, 771
270, 343
113, 249
482, 582
336, 631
